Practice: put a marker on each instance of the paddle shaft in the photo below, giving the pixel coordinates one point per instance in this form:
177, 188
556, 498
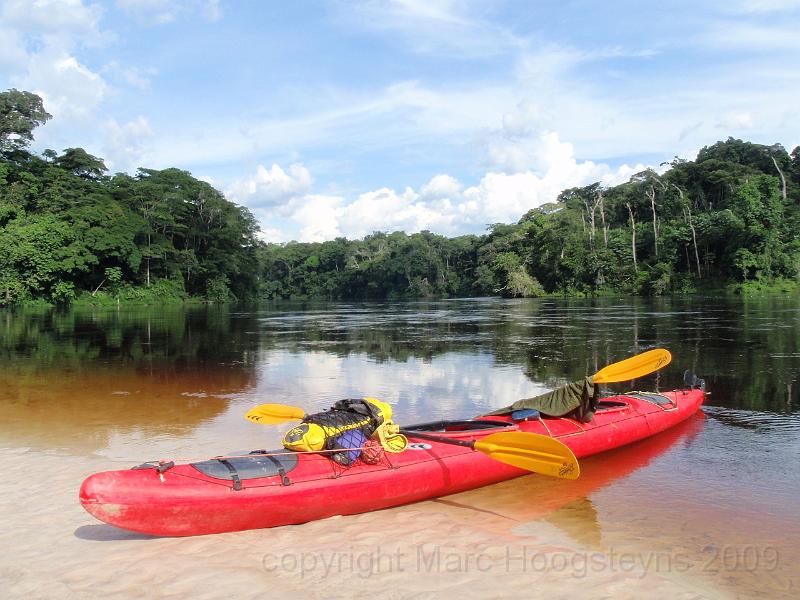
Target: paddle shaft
439, 438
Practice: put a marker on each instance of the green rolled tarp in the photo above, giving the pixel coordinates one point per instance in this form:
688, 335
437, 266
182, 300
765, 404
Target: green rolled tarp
578, 397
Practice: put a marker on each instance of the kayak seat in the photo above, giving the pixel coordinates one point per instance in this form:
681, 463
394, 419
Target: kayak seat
249, 467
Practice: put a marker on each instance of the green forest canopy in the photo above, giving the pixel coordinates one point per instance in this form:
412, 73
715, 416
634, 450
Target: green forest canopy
69, 230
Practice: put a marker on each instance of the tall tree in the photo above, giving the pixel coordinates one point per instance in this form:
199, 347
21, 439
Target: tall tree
650, 181
20, 114
81, 163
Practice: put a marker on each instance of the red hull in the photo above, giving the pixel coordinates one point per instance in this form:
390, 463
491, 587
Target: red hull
185, 501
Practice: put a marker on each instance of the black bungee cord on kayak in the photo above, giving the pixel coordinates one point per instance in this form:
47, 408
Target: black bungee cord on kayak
347, 426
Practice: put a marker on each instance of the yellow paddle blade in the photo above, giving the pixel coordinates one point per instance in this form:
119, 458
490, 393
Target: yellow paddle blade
271, 414
531, 451
633, 367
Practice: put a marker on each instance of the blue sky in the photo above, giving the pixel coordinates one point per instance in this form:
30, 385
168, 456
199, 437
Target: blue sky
335, 117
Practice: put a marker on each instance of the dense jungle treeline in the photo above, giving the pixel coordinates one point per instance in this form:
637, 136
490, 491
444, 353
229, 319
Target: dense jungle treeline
729, 218
67, 228
69, 231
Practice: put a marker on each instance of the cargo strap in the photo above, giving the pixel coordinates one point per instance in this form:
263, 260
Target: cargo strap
281, 471
237, 483
159, 465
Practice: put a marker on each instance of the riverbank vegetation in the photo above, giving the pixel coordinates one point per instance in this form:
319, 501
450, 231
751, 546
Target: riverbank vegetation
70, 232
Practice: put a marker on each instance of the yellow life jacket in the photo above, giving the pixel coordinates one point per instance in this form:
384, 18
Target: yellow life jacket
316, 430
321, 431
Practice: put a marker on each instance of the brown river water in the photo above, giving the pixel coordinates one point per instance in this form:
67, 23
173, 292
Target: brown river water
707, 510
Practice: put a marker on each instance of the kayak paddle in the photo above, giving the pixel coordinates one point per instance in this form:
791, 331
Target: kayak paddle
530, 451
271, 414
633, 367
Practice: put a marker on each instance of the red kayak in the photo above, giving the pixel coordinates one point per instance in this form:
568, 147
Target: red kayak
283, 488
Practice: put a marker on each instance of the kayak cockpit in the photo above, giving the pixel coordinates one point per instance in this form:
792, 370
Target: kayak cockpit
456, 426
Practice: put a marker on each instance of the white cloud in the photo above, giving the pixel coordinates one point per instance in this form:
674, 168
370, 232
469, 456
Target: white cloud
274, 235
271, 187
276, 195
386, 210
45, 47
124, 145
56, 19
502, 197
517, 148
39, 48
68, 88
319, 218
441, 186
440, 205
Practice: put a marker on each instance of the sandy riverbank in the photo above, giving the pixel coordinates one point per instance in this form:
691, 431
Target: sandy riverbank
52, 549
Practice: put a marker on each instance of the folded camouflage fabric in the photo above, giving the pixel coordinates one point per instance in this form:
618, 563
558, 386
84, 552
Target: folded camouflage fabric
579, 397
